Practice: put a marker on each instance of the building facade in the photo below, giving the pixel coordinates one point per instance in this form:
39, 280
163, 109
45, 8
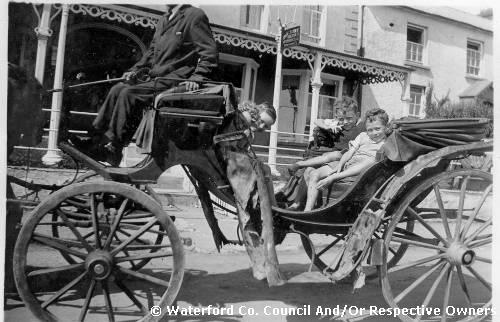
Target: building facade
450, 48
384, 56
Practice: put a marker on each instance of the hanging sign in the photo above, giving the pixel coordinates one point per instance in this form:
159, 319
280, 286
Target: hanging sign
290, 37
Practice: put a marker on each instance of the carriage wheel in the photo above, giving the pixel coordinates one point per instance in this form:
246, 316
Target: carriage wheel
84, 212
448, 262
100, 283
325, 253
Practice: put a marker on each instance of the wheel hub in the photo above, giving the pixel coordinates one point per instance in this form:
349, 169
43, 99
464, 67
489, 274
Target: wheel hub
458, 254
99, 264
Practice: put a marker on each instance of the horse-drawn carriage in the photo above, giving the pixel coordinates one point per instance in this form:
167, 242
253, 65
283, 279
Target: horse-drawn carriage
105, 247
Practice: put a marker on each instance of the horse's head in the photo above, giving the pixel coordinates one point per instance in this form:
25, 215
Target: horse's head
24, 109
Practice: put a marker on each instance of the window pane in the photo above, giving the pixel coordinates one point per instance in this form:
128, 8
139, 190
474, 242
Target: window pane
473, 46
414, 35
416, 98
250, 16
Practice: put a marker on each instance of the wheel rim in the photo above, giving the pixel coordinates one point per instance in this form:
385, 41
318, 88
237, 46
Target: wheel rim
448, 262
99, 284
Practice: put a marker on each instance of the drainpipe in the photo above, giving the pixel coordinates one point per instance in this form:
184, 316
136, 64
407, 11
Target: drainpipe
43, 32
361, 50
53, 155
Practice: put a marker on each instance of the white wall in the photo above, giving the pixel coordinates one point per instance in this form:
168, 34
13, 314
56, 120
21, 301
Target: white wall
445, 63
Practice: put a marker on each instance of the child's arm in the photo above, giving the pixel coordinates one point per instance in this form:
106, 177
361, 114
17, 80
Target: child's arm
345, 157
355, 170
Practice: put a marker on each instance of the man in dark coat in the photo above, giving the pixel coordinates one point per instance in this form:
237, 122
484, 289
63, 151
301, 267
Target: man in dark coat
182, 47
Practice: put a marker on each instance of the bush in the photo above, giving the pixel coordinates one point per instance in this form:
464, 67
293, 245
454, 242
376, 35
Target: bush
459, 109
444, 108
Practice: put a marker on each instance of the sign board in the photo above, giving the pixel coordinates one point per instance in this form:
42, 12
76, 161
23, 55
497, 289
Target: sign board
290, 37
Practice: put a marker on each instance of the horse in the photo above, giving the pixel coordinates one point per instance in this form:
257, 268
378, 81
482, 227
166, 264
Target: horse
24, 109
24, 127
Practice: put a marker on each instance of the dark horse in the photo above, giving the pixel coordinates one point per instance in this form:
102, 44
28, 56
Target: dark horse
24, 127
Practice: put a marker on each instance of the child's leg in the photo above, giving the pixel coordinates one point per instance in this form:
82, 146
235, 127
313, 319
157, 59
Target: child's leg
317, 161
312, 192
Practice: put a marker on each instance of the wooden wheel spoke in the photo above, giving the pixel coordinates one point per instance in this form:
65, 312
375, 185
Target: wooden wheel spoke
460, 212
479, 277
146, 247
136, 234
433, 288
447, 293
145, 277
416, 243
115, 224
145, 256
131, 295
463, 285
74, 230
419, 280
476, 211
136, 227
52, 242
95, 220
478, 231
87, 235
107, 300
88, 298
125, 252
480, 242
415, 215
63, 290
484, 259
442, 211
73, 214
415, 263
139, 240
55, 269
329, 246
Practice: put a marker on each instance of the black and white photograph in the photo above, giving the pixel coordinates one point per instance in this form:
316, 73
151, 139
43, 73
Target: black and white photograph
262, 161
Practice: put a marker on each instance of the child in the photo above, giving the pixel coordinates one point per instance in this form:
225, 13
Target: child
258, 117
361, 155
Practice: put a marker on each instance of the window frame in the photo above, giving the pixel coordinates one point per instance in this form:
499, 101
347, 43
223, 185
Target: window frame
412, 104
248, 77
423, 30
244, 9
480, 57
309, 11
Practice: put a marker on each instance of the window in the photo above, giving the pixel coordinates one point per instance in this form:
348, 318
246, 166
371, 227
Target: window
416, 100
250, 16
311, 23
241, 72
414, 44
473, 58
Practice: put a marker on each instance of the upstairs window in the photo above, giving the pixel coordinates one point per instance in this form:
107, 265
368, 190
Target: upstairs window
311, 22
251, 16
416, 100
415, 44
473, 57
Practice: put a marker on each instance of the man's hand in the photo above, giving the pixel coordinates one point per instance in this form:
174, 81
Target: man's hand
190, 86
130, 77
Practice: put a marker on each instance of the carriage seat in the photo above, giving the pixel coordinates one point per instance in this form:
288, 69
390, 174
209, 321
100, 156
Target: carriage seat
209, 103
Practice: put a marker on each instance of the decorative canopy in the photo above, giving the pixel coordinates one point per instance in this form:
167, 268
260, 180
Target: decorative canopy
370, 71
